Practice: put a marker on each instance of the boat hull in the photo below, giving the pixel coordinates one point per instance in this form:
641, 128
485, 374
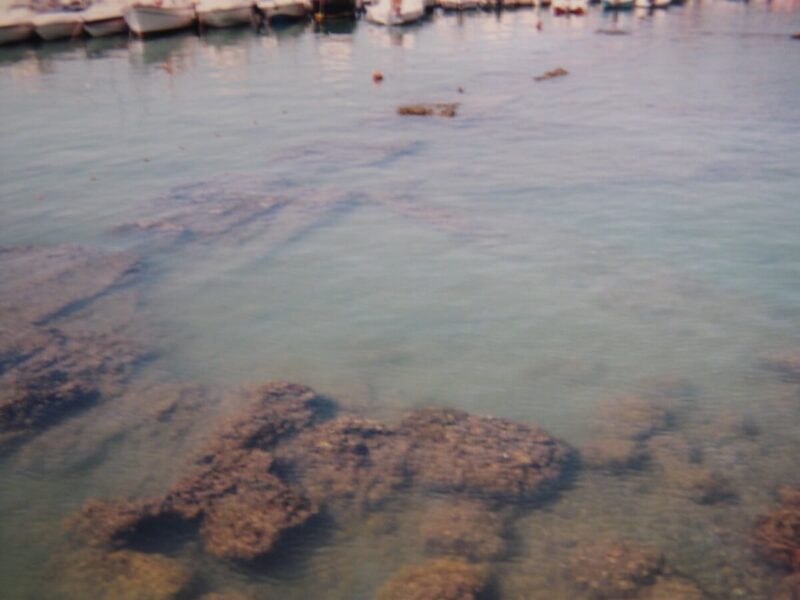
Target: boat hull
226, 17
68, 26
105, 27
618, 5
11, 34
286, 10
382, 13
459, 4
147, 20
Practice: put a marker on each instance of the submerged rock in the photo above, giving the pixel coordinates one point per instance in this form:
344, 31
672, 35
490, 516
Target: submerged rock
123, 575
249, 523
672, 588
454, 451
241, 507
615, 568
623, 426
438, 579
557, 72
348, 458
39, 283
777, 535
441, 109
49, 367
465, 528
787, 366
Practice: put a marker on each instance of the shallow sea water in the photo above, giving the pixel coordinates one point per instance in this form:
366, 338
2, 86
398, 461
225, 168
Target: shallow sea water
555, 245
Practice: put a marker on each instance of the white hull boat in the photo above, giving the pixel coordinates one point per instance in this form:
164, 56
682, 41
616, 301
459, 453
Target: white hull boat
58, 25
643, 3
224, 13
661, 3
16, 25
570, 7
145, 19
396, 12
104, 19
285, 9
10, 34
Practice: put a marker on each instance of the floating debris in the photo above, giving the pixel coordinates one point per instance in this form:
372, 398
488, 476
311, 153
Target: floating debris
444, 109
613, 32
557, 72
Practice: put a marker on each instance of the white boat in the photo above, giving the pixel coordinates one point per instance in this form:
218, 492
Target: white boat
224, 13
396, 12
618, 4
104, 18
459, 4
16, 25
570, 7
58, 24
643, 3
285, 9
661, 3
154, 16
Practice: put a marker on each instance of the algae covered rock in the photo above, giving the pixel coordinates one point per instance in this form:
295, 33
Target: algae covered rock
465, 528
439, 579
49, 369
615, 568
454, 451
348, 458
777, 535
622, 428
248, 524
123, 575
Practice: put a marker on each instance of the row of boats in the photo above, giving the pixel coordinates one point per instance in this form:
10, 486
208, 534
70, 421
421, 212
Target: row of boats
71, 18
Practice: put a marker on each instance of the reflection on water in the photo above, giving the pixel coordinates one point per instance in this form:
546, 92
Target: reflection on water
610, 255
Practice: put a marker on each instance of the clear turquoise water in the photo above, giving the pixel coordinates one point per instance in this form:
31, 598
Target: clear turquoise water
555, 244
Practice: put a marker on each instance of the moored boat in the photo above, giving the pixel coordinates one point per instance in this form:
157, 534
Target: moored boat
103, 19
459, 4
396, 12
66, 22
276, 10
661, 3
145, 17
224, 13
618, 4
16, 25
569, 7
